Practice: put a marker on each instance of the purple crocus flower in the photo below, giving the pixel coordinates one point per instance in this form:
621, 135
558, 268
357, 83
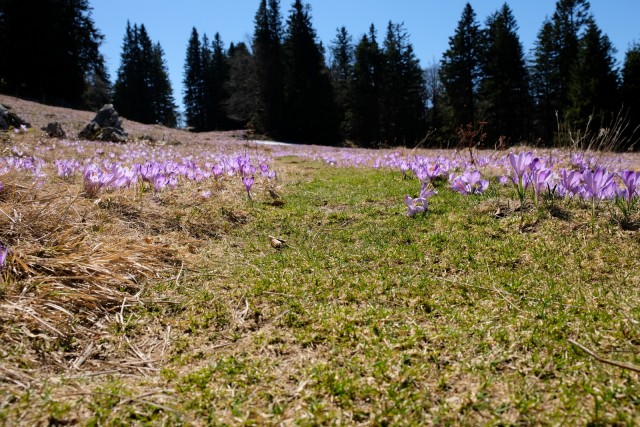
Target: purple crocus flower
427, 190
420, 172
519, 166
248, 182
247, 169
149, 171
599, 184
66, 168
470, 182
3, 255
415, 206
419, 204
570, 183
540, 179
404, 167
162, 181
631, 181
91, 180
433, 170
520, 162
217, 171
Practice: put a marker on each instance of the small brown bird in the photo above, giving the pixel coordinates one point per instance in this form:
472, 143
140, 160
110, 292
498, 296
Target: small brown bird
277, 243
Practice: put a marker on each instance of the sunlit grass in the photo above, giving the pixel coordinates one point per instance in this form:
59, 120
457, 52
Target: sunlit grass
368, 316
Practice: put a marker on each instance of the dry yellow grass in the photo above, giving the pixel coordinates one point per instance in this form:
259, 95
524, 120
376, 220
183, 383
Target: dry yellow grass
78, 265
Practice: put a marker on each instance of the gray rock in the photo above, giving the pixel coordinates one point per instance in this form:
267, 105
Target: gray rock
106, 126
9, 119
54, 130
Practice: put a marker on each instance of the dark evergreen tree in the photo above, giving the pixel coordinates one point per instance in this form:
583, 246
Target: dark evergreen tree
193, 81
342, 53
129, 86
50, 51
164, 106
504, 89
241, 104
545, 81
555, 54
403, 103
631, 91
98, 87
435, 97
310, 108
594, 85
142, 91
460, 69
267, 50
365, 91
216, 75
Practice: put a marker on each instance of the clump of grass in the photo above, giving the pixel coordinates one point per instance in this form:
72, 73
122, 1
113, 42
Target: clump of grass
81, 272
616, 135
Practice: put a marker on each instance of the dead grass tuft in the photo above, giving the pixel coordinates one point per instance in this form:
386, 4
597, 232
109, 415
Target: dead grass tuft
78, 268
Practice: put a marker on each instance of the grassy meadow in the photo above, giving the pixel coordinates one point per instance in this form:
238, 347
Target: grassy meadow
317, 302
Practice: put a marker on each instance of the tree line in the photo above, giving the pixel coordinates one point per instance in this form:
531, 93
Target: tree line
370, 92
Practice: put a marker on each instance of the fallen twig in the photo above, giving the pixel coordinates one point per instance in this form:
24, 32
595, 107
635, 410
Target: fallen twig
603, 360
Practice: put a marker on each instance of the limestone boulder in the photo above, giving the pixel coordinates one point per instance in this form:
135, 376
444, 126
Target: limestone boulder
106, 126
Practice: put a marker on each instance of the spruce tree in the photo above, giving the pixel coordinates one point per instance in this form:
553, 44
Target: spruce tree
460, 69
504, 87
365, 91
403, 103
593, 91
310, 109
268, 55
127, 90
569, 21
164, 106
216, 75
342, 53
50, 51
142, 91
631, 91
436, 115
545, 81
555, 54
193, 83
98, 87
241, 104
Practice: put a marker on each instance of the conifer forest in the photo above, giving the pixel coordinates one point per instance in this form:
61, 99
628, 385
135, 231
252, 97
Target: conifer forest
362, 89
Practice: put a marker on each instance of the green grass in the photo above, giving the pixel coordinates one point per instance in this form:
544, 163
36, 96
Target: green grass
367, 316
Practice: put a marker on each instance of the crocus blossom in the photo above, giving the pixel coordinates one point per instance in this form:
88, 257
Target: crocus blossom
470, 182
540, 180
631, 181
3, 255
519, 165
419, 204
599, 184
570, 183
248, 182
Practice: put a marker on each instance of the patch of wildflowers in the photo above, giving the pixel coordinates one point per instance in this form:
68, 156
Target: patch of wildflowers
470, 182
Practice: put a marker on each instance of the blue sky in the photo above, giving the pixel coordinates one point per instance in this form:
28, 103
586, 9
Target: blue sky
430, 23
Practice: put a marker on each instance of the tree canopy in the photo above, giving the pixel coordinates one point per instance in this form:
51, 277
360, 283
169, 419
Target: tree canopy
142, 91
58, 63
